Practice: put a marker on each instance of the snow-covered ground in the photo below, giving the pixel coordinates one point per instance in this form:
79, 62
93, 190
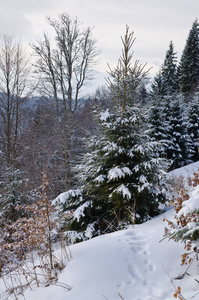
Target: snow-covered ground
132, 263
186, 171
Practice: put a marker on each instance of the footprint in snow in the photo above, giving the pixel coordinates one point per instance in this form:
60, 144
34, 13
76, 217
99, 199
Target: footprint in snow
151, 268
135, 272
137, 249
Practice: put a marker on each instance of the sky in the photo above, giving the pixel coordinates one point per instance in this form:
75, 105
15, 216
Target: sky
154, 22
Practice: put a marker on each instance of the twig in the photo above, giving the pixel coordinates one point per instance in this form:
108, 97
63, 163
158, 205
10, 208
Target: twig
64, 285
120, 296
182, 298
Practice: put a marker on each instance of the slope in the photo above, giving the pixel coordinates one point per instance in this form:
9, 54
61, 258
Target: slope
131, 262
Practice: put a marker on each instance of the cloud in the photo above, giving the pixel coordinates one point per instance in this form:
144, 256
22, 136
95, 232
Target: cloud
155, 23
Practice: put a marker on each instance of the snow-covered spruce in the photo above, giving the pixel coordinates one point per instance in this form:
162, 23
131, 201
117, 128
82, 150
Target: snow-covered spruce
193, 126
121, 179
180, 147
188, 71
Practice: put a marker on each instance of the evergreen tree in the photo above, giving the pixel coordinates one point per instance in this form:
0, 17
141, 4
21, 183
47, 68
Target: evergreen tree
158, 88
180, 150
121, 180
169, 71
11, 193
166, 82
193, 126
159, 128
188, 70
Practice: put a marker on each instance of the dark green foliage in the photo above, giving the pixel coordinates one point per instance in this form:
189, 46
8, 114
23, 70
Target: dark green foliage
121, 178
193, 126
188, 70
11, 193
166, 82
169, 71
159, 129
181, 149
158, 86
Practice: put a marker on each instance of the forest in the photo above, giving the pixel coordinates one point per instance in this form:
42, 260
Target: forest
97, 163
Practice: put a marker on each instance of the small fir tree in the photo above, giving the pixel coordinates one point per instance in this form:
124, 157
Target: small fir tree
121, 180
11, 193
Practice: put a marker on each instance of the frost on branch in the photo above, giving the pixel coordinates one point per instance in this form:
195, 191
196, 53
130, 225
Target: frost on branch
122, 189
117, 172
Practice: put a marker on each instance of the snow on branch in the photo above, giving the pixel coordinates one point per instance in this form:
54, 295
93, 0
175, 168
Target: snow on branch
104, 115
117, 172
122, 189
65, 196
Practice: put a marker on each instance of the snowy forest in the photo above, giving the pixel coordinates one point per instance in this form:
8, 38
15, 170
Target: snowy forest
76, 167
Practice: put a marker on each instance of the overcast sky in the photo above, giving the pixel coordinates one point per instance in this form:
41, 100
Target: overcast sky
154, 22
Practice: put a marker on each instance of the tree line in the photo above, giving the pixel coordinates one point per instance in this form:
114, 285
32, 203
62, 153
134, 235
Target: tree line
112, 147
143, 135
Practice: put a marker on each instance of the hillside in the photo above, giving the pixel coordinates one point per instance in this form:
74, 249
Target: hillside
132, 263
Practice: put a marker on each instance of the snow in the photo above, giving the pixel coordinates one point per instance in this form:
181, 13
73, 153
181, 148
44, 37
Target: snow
64, 197
104, 115
134, 263
186, 171
100, 178
191, 204
80, 211
122, 189
131, 262
117, 172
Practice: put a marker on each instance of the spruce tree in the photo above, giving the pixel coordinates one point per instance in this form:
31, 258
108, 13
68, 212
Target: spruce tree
121, 180
188, 70
159, 128
180, 150
193, 126
165, 81
158, 88
11, 193
169, 71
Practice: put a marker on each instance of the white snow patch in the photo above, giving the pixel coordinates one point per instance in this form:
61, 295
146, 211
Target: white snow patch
186, 171
104, 115
64, 197
117, 172
122, 189
89, 231
142, 179
131, 262
191, 204
79, 212
99, 178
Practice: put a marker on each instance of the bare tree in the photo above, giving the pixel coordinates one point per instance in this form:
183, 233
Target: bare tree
13, 91
64, 69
